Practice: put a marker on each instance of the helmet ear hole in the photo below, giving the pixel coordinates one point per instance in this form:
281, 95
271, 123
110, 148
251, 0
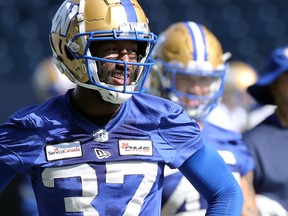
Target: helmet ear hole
68, 54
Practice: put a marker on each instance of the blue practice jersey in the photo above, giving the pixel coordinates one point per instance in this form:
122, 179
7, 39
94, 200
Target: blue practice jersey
179, 196
78, 168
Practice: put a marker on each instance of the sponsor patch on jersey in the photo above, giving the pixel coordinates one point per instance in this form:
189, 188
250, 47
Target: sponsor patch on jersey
135, 147
63, 150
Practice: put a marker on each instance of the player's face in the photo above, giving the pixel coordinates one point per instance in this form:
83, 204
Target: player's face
113, 73
194, 85
279, 89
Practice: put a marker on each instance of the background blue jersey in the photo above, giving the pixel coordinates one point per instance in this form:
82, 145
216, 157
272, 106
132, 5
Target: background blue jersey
179, 196
77, 168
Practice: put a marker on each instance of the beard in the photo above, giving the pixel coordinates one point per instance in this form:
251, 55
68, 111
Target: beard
105, 73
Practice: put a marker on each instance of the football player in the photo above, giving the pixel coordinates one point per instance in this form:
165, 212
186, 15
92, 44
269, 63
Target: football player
100, 149
190, 70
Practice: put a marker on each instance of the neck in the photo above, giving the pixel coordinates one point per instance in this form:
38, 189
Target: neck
90, 104
282, 114
200, 124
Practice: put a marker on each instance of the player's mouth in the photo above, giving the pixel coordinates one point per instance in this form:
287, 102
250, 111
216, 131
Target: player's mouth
118, 78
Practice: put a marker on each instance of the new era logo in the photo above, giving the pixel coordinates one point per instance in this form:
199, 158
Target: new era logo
101, 153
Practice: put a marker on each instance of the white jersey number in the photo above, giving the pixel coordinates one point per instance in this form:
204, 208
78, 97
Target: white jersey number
115, 174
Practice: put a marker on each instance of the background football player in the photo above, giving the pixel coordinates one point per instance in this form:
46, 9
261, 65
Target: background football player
190, 70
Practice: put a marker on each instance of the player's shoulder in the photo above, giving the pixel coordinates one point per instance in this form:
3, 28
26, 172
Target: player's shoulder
213, 131
154, 102
36, 113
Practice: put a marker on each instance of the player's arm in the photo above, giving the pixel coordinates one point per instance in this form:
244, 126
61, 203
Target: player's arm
209, 174
249, 206
7, 174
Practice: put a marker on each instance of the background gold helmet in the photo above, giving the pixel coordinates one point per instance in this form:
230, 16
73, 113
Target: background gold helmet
48, 82
234, 112
189, 48
240, 76
78, 23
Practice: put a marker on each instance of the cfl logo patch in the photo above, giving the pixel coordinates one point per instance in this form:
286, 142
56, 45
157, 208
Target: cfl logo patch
135, 147
101, 135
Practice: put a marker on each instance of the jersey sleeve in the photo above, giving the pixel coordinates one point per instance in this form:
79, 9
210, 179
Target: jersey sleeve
19, 144
208, 173
181, 134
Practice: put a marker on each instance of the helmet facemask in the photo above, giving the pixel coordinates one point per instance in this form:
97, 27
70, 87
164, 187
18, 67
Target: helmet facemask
116, 93
198, 91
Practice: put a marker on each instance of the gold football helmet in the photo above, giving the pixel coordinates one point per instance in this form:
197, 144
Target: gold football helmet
188, 51
240, 76
79, 23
